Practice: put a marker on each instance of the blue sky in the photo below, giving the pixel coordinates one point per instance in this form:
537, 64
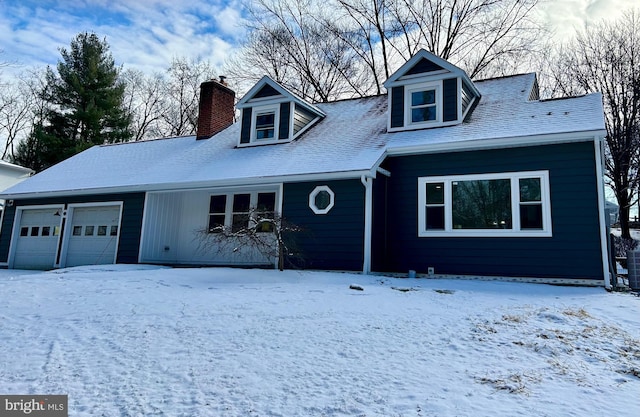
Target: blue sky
147, 34
143, 34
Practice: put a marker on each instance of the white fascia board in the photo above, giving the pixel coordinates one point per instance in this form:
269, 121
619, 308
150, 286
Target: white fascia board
497, 143
422, 53
258, 181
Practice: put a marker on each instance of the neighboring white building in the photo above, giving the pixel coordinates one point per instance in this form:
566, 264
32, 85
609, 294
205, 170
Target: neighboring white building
10, 175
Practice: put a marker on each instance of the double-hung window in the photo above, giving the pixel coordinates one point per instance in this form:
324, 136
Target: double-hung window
240, 211
423, 104
265, 124
509, 204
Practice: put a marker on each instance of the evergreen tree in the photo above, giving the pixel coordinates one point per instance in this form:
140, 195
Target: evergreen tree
85, 105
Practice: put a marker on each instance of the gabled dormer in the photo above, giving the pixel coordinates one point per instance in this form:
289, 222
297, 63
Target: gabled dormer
271, 114
427, 92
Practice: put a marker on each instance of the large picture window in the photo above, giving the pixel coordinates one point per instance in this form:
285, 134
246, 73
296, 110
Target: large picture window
509, 204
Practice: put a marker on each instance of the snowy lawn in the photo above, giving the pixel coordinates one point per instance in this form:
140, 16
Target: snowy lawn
145, 341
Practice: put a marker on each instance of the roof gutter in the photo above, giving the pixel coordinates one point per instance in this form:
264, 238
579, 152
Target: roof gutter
192, 185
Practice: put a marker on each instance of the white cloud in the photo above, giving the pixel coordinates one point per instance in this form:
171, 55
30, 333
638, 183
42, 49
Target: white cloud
566, 17
145, 34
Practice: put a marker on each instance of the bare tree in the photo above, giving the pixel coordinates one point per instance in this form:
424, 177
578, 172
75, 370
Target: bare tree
369, 39
180, 115
289, 41
606, 58
268, 233
16, 115
145, 99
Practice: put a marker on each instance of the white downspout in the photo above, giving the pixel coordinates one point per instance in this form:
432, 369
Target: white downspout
603, 226
368, 216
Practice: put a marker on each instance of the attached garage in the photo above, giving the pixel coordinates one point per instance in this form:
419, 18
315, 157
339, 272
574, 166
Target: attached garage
47, 237
92, 236
37, 237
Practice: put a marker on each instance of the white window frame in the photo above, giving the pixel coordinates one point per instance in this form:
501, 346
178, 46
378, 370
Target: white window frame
275, 109
412, 88
312, 199
515, 231
253, 203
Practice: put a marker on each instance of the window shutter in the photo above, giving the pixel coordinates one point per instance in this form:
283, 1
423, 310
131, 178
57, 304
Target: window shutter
245, 134
397, 106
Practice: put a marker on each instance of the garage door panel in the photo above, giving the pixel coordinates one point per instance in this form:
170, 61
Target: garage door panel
93, 236
37, 241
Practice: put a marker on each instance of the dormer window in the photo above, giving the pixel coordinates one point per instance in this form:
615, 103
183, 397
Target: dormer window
265, 123
428, 92
423, 104
271, 114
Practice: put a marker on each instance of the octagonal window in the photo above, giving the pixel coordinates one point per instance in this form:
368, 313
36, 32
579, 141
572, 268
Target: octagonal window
321, 199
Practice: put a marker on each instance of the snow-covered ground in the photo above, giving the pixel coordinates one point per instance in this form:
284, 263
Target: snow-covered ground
145, 341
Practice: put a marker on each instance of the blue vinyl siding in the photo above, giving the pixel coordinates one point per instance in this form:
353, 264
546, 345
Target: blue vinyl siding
467, 96
130, 228
572, 252
301, 118
333, 240
450, 99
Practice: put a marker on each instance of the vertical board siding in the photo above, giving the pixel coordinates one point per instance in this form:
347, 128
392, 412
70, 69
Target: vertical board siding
450, 99
245, 133
285, 117
327, 241
572, 252
397, 106
130, 227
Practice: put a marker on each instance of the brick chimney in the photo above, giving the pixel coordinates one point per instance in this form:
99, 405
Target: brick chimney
216, 109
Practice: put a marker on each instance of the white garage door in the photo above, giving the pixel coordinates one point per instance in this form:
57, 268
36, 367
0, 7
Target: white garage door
37, 240
93, 236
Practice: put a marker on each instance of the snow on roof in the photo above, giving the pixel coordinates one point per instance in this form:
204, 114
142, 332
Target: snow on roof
505, 113
349, 141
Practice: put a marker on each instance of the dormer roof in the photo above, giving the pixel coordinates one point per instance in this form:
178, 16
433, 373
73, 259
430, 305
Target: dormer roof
426, 64
272, 114
428, 92
269, 90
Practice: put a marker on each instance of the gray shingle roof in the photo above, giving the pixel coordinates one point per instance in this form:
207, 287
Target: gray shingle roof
349, 141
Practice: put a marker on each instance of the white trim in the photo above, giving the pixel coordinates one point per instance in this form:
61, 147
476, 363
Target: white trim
496, 143
435, 86
304, 129
143, 235
253, 201
198, 185
15, 230
514, 231
257, 111
368, 216
422, 53
312, 199
601, 199
67, 227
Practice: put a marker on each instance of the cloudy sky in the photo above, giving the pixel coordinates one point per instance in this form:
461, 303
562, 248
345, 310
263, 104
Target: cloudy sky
146, 34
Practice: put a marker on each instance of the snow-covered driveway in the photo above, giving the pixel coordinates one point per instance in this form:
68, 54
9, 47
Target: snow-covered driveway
144, 341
